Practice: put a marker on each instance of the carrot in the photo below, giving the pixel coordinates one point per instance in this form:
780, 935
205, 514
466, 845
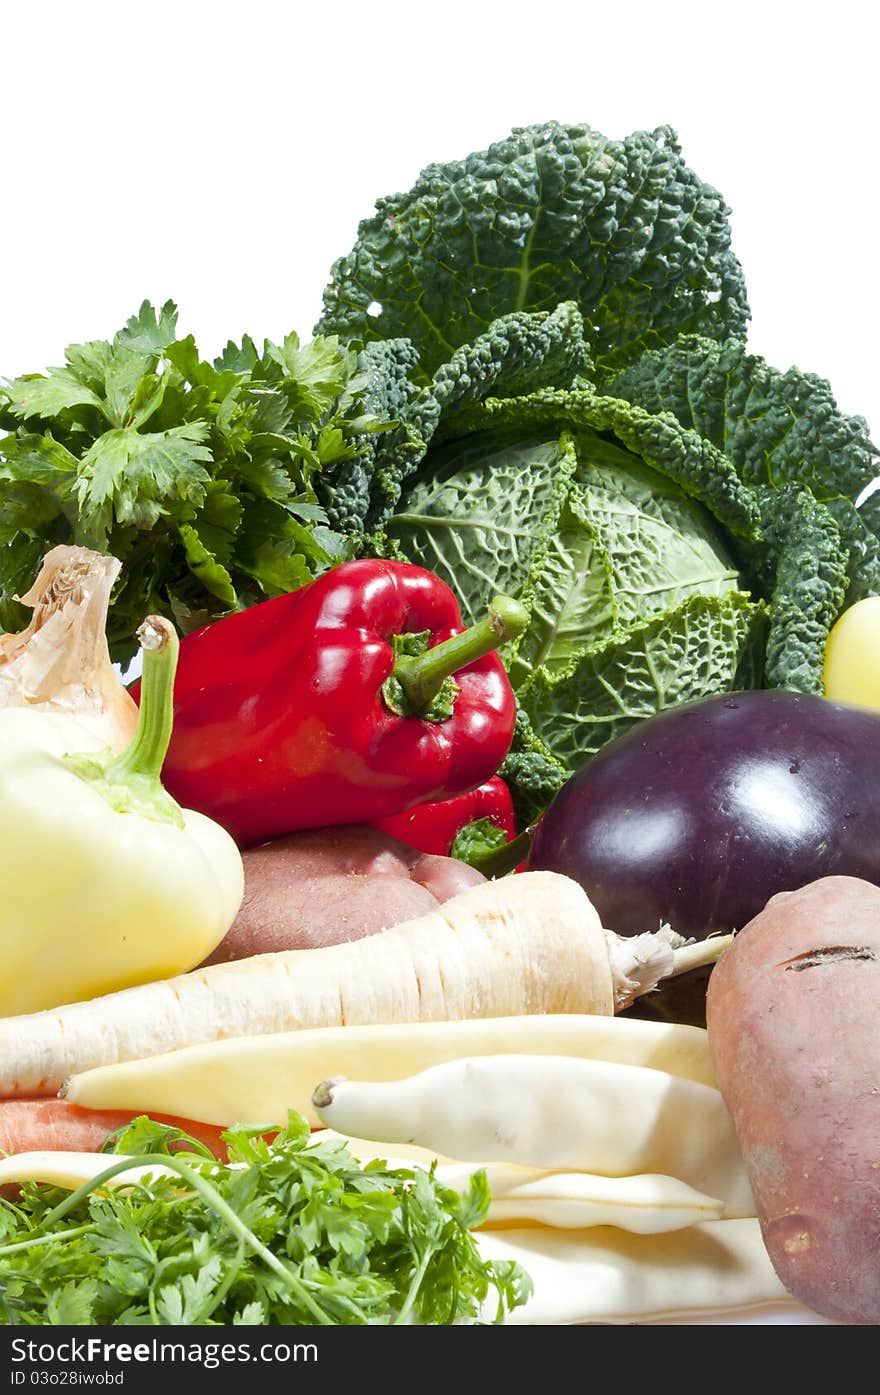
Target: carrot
527, 944
55, 1126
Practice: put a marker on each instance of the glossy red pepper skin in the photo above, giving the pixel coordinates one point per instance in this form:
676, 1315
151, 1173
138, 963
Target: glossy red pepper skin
279, 719
432, 828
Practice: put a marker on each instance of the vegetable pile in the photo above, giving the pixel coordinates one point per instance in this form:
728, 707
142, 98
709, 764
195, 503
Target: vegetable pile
528, 944
521, 616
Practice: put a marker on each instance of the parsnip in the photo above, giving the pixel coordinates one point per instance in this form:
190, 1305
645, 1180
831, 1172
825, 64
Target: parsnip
251, 1079
526, 944
553, 1113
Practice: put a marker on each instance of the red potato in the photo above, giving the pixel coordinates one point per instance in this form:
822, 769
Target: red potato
335, 884
793, 1014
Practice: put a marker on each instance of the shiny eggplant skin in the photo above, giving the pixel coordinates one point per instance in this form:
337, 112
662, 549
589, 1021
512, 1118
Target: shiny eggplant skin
699, 815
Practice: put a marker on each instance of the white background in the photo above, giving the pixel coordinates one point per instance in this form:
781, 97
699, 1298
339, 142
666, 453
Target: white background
222, 154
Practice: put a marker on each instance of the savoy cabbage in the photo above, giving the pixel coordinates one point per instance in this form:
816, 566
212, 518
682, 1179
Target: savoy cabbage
680, 516
634, 585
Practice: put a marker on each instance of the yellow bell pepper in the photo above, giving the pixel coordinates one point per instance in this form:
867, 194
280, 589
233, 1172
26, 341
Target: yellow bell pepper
852, 655
106, 881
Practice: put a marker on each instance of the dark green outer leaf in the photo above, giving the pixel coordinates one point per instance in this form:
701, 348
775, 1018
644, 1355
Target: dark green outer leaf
860, 531
552, 213
809, 588
518, 355
784, 435
774, 427
361, 492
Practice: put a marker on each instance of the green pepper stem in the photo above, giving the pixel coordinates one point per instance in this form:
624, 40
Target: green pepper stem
422, 676
500, 861
145, 756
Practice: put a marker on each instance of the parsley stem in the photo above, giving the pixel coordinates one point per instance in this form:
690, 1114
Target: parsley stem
31, 1244
212, 1198
415, 1285
219, 1296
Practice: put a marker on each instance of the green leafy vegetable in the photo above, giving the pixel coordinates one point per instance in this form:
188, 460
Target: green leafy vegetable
203, 478
636, 598
292, 1232
477, 840
552, 213
809, 587
773, 427
520, 353
695, 650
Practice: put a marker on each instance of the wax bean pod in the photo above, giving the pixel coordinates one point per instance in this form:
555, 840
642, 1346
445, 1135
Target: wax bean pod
552, 1112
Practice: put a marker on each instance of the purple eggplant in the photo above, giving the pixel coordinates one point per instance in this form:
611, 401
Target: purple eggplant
699, 815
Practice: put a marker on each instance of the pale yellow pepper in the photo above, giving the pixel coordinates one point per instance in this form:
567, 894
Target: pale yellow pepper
106, 881
852, 655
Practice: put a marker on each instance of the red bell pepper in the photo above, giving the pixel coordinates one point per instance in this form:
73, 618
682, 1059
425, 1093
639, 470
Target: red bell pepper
435, 828
336, 703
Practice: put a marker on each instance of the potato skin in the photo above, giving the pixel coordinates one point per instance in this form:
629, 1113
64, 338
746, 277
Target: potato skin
793, 1013
330, 885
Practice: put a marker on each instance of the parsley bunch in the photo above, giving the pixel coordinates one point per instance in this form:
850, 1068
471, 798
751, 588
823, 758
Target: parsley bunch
200, 477
294, 1232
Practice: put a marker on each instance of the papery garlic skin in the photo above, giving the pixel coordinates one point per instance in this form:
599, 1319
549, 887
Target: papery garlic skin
60, 662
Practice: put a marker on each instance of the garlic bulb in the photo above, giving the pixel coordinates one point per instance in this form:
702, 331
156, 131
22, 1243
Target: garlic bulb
60, 661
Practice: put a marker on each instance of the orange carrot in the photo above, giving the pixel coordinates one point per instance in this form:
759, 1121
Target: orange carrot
54, 1126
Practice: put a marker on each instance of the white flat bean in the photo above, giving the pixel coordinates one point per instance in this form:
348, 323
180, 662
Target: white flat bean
604, 1275
553, 1113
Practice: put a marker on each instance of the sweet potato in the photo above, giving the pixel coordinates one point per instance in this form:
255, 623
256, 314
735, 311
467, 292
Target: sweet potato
793, 1012
332, 885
